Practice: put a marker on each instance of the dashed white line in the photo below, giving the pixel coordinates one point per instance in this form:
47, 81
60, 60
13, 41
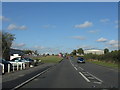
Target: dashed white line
75, 68
84, 77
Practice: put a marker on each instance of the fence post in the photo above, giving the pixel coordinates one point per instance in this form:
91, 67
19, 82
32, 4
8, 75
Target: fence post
13, 67
21, 66
17, 66
8, 68
3, 68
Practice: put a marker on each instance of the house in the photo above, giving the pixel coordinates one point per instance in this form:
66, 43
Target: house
15, 53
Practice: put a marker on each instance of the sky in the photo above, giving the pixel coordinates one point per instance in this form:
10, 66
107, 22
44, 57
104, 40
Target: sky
54, 27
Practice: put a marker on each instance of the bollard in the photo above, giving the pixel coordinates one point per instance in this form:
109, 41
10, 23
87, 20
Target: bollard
13, 67
21, 66
8, 68
17, 66
3, 68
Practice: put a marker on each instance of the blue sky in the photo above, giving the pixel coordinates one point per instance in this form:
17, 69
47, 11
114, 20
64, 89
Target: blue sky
61, 27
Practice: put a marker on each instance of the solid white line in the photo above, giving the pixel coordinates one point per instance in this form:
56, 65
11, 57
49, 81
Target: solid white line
84, 77
29, 79
95, 77
75, 68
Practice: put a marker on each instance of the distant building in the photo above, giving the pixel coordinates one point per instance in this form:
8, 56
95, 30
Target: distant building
94, 51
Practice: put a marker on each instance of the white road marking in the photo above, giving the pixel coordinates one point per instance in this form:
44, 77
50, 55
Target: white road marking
95, 77
81, 68
84, 77
75, 68
97, 82
29, 80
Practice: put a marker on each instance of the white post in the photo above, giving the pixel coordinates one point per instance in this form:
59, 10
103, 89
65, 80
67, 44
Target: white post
21, 66
3, 68
8, 68
17, 66
13, 67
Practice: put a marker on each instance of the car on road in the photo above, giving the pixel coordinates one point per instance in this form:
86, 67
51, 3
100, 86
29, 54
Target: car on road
30, 61
80, 60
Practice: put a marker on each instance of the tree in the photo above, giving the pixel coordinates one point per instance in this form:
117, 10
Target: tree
7, 40
80, 51
74, 52
106, 50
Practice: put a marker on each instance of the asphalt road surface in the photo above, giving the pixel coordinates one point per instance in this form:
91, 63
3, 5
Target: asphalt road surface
70, 74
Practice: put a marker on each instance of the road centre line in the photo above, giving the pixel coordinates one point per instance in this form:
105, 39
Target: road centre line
20, 85
95, 77
84, 77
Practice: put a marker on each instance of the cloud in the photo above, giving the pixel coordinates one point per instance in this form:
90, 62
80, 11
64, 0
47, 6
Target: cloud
18, 45
15, 27
112, 42
93, 31
87, 47
38, 47
101, 39
104, 20
84, 25
79, 37
3, 18
50, 50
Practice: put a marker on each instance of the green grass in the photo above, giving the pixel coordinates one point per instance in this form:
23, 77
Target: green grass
107, 64
50, 59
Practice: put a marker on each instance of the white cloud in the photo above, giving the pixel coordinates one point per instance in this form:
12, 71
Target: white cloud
93, 31
87, 47
104, 20
101, 39
84, 25
15, 27
112, 42
12, 27
38, 47
50, 50
4, 18
79, 37
18, 45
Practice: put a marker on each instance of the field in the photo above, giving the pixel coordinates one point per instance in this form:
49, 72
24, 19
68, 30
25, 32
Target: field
50, 59
107, 64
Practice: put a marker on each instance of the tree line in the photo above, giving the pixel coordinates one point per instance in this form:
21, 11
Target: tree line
108, 56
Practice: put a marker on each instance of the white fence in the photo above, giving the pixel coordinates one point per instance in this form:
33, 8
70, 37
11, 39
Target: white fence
13, 68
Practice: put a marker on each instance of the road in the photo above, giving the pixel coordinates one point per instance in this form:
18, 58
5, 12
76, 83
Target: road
70, 74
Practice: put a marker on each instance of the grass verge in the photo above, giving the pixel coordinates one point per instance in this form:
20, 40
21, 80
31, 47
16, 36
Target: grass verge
50, 59
107, 64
